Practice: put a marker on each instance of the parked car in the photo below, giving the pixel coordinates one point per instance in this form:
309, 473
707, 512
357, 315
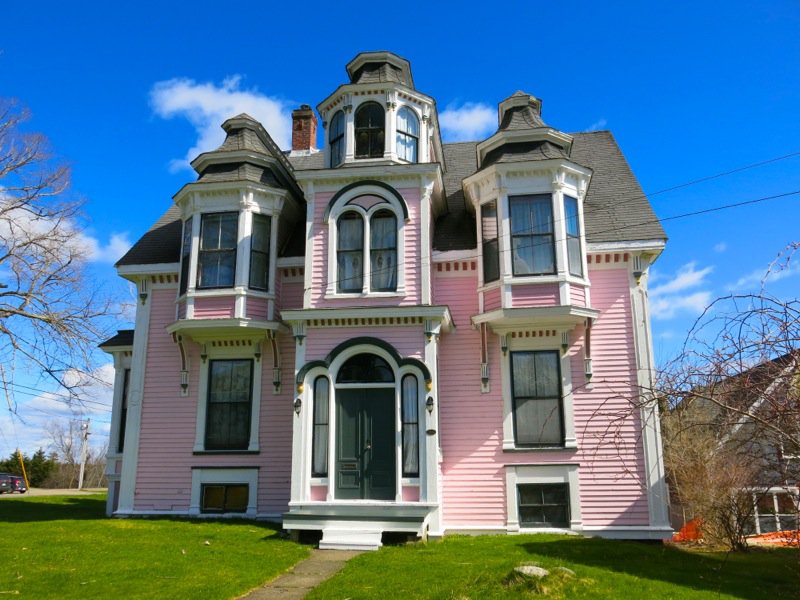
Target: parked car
6, 486
18, 484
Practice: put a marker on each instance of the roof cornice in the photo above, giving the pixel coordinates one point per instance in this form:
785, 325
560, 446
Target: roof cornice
540, 134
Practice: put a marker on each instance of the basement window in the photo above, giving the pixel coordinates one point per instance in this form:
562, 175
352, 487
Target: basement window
225, 498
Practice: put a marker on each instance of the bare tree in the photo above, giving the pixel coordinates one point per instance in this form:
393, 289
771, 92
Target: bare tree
50, 315
65, 444
730, 408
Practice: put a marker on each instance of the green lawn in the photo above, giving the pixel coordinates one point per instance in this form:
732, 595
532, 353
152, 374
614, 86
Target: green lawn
65, 547
480, 567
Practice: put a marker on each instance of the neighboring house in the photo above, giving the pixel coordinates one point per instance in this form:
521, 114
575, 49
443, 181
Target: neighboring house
393, 333
753, 420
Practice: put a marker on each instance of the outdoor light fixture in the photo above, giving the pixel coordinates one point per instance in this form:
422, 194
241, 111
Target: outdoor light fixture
564, 341
299, 333
429, 404
428, 385
143, 290
203, 353
184, 380
258, 352
298, 404
428, 329
299, 388
504, 344
484, 373
587, 368
637, 268
276, 379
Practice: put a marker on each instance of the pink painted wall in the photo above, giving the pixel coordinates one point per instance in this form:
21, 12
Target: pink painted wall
410, 493
256, 308
491, 300
166, 458
318, 493
535, 294
216, 307
408, 341
292, 295
410, 262
612, 469
577, 295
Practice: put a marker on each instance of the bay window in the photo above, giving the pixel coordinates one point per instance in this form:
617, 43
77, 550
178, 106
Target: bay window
537, 399
572, 222
532, 238
259, 252
216, 262
490, 249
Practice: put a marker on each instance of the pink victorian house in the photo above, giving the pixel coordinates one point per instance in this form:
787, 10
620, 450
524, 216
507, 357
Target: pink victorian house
394, 334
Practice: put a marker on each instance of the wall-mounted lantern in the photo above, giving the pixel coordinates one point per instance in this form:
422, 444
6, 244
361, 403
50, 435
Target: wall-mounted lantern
276, 379
298, 405
184, 381
429, 404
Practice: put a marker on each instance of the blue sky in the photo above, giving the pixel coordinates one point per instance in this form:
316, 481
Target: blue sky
126, 94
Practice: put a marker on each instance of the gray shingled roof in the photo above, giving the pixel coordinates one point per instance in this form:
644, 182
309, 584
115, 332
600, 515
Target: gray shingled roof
522, 152
124, 337
616, 208
379, 73
521, 117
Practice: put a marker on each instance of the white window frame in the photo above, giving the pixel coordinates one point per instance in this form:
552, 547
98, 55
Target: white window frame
341, 206
228, 353
542, 475
537, 344
224, 476
398, 133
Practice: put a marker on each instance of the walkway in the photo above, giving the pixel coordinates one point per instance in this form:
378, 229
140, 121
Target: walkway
304, 576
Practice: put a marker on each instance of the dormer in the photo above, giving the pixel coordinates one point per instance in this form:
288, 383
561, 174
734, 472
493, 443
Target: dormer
379, 117
236, 216
528, 196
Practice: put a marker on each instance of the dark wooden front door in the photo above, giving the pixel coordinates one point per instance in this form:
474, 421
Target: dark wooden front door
365, 444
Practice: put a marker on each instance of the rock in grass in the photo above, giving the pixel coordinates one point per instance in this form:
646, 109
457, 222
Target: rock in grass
532, 571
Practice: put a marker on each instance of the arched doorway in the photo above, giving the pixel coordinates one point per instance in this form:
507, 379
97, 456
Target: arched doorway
365, 429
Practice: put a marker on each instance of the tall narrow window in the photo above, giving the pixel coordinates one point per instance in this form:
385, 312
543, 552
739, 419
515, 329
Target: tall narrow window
491, 253
369, 124
319, 444
410, 414
123, 410
336, 137
574, 257
259, 253
229, 404
532, 241
536, 390
407, 134
350, 252
186, 255
383, 251
216, 263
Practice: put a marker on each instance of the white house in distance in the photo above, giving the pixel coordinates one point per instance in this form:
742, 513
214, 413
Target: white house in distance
393, 334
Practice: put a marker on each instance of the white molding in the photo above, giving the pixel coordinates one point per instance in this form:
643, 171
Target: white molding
232, 475
441, 313
130, 455
131, 271
286, 262
439, 256
654, 245
502, 320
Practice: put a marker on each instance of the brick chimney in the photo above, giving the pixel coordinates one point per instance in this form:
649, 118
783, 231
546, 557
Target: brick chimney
304, 129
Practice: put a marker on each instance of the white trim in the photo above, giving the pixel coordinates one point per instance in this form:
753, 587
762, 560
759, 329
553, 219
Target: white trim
130, 455
542, 474
233, 476
129, 271
439, 256
635, 245
441, 313
285, 262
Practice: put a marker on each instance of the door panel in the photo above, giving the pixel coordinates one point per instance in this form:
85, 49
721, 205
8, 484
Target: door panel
365, 444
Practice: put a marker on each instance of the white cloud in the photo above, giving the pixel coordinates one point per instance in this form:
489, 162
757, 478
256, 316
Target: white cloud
721, 247
471, 121
111, 252
759, 277
668, 299
597, 125
207, 105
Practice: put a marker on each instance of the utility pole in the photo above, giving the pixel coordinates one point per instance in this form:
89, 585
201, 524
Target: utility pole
84, 448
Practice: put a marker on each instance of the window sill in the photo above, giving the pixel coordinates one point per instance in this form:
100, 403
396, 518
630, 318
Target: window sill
400, 293
511, 448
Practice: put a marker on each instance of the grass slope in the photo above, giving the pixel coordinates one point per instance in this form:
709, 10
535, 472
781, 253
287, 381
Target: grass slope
65, 547
481, 567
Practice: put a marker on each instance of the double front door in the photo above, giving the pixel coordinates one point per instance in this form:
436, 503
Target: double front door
365, 444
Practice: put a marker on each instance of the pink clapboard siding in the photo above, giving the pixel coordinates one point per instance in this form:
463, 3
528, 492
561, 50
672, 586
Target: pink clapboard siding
492, 300
408, 341
182, 310
613, 487
292, 295
410, 493
535, 294
164, 473
470, 423
410, 263
257, 308
215, 307
577, 295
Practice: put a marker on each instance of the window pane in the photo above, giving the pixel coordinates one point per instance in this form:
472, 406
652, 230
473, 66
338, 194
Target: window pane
350, 243
523, 368
350, 232
366, 368
236, 498
491, 254
574, 255
536, 388
213, 498
229, 404
538, 422
369, 124
547, 384
216, 263
543, 505
383, 253
186, 255
337, 139
410, 418
260, 235
258, 271
319, 467
571, 215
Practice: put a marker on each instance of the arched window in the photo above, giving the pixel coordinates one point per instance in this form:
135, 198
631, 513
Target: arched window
350, 252
336, 137
319, 443
407, 134
365, 368
369, 124
383, 251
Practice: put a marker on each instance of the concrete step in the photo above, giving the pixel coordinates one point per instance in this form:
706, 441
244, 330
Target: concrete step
350, 539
